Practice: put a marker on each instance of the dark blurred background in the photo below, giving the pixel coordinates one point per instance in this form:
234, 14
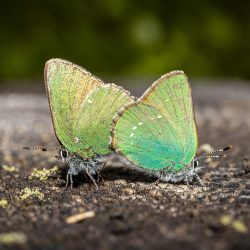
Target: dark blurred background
125, 38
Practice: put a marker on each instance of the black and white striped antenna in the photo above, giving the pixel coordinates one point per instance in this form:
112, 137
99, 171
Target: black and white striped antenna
213, 154
41, 148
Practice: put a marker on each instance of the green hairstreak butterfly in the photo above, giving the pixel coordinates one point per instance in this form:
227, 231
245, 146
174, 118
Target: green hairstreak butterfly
82, 108
157, 133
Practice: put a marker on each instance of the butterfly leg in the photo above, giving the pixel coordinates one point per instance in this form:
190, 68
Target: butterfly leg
186, 181
92, 179
71, 181
199, 180
99, 176
154, 183
69, 178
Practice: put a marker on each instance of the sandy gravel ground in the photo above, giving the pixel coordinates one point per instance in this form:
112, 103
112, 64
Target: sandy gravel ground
129, 211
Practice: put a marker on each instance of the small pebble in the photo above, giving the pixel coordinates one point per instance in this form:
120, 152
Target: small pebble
239, 226
246, 165
120, 182
128, 191
205, 148
13, 238
79, 217
3, 203
154, 193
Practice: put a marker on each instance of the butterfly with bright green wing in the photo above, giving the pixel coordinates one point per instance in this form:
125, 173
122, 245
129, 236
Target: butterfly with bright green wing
82, 108
157, 133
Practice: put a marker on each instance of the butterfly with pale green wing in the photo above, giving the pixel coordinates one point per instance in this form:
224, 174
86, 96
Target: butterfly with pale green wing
82, 108
157, 133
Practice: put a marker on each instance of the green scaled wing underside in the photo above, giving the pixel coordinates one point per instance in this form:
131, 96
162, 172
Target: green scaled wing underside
158, 131
82, 107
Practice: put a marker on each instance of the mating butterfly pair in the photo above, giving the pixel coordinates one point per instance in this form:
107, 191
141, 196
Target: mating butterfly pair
157, 132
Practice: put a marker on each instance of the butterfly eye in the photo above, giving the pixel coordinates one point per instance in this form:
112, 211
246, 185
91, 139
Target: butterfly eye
64, 153
196, 163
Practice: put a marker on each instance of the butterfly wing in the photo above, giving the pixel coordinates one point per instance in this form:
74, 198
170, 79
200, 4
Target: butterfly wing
159, 130
94, 121
82, 107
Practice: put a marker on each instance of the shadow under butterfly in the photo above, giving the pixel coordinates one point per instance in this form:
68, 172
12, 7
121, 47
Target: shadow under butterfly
157, 133
82, 108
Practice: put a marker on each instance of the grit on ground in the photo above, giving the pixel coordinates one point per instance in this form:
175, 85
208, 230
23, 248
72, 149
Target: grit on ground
129, 210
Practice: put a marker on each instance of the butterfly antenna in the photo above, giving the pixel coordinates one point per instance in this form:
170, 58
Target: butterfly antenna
212, 154
41, 148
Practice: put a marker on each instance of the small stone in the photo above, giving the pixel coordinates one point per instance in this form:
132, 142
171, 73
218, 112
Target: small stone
79, 217
56, 189
8, 168
214, 164
239, 226
245, 192
244, 199
120, 182
226, 220
43, 174
13, 238
128, 191
29, 193
246, 165
163, 185
205, 148
155, 193
3, 203
77, 198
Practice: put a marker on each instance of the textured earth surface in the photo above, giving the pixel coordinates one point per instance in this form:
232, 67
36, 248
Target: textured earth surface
130, 211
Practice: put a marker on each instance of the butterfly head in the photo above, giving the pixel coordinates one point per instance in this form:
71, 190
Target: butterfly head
64, 155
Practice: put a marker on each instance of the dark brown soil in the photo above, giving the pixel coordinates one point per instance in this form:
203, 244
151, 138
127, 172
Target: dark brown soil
131, 211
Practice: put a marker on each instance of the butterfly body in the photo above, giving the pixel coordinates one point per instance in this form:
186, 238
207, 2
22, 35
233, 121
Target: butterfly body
82, 108
157, 133
187, 175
